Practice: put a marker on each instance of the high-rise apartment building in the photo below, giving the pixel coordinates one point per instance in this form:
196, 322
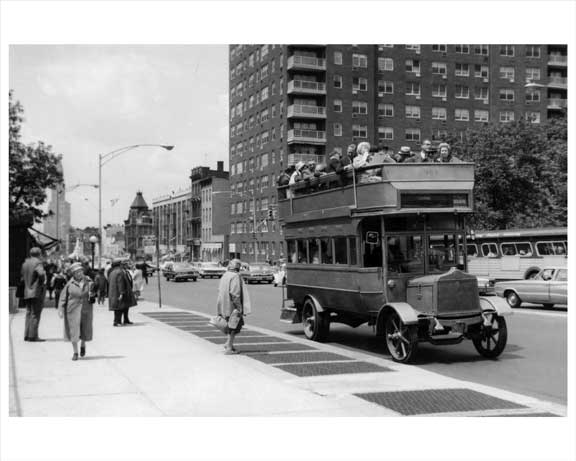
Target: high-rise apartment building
301, 102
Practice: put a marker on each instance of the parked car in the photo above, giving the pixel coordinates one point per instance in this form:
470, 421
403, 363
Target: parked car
549, 287
485, 286
211, 269
258, 272
181, 271
166, 266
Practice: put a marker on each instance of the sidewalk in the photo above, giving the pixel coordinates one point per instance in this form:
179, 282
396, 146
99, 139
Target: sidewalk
152, 368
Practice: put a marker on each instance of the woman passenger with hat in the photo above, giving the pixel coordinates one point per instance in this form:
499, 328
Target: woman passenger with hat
75, 307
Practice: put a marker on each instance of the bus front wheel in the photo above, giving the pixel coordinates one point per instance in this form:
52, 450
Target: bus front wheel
316, 324
401, 339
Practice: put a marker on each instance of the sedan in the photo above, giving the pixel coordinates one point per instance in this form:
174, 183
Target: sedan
181, 271
549, 287
258, 273
211, 269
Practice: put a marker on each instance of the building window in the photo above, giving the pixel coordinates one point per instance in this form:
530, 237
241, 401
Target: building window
462, 92
385, 86
385, 134
264, 72
263, 51
412, 134
462, 49
385, 64
413, 48
439, 90
337, 81
337, 105
533, 117
481, 50
506, 94
533, 96
532, 73
412, 89
533, 51
506, 116
439, 48
481, 116
481, 93
413, 112
264, 94
385, 110
359, 131
337, 129
264, 161
461, 115
439, 134
439, 68
359, 60
413, 65
507, 73
338, 57
507, 50
462, 70
481, 71
359, 108
359, 84
438, 113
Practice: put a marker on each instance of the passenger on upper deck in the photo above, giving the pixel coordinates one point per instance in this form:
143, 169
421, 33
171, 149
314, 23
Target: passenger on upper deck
297, 175
403, 154
424, 156
284, 177
446, 155
384, 156
337, 162
350, 153
364, 157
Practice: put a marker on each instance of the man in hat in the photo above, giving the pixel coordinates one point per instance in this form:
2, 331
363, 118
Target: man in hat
425, 154
34, 278
403, 154
120, 294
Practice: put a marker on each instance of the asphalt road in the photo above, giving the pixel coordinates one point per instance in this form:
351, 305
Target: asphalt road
534, 362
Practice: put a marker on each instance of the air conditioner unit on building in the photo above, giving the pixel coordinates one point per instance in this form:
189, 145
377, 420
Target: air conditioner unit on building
444, 99
511, 80
485, 80
354, 92
417, 96
485, 101
380, 94
444, 76
417, 74
380, 48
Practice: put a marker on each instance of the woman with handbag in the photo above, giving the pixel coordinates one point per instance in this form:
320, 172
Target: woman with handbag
75, 307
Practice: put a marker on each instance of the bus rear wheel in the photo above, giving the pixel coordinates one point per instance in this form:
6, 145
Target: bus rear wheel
316, 324
492, 339
401, 339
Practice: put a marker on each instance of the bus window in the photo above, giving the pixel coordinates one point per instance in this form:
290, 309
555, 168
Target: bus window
489, 250
326, 250
441, 253
559, 248
471, 249
544, 248
524, 249
340, 251
302, 257
292, 251
353, 251
313, 251
508, 249
373, 254
405, 254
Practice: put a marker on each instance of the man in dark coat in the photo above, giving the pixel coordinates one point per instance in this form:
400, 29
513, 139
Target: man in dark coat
34, 277
120, 294
424, 156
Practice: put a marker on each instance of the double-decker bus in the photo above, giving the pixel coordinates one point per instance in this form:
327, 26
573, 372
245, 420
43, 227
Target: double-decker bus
388, 253
515, 254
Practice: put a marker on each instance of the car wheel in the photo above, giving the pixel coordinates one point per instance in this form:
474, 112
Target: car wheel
316, 324
492, 339
194, 279
401, 339
548, 306
513, 299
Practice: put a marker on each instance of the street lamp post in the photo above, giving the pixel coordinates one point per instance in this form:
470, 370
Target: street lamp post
93, 239
102, 160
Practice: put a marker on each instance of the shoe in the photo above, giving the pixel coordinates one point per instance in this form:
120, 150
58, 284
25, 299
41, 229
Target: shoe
128, 322
82, 351
116, 324
75, 356
230, 352
37, 340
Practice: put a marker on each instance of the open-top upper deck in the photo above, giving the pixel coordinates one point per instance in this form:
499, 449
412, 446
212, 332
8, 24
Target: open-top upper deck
403, 188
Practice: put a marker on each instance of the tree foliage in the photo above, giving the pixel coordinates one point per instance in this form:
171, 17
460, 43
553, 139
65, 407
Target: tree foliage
33, 169
521, 174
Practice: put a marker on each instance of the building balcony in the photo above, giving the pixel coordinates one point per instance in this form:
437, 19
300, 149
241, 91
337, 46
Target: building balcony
557, 60
306, 63
306, 136
293, 159
558, 82
306, 87
557, 103
297, 110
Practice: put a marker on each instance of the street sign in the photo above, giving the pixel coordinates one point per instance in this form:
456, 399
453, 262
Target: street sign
149, 249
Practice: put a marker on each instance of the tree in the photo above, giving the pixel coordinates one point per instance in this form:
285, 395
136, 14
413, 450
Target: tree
521, 173
33, 169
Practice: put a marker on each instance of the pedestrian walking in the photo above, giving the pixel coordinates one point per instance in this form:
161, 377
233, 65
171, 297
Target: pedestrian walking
233, 303
76, 309
100, 286
138, 281
34, 278
120, 295
144, 268
58, 282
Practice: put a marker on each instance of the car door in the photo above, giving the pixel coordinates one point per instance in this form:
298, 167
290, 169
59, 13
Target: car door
538, 290
559, 287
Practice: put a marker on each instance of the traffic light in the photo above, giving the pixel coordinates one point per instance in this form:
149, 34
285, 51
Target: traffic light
270, 214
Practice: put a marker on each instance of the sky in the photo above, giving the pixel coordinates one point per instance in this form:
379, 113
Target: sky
84, 100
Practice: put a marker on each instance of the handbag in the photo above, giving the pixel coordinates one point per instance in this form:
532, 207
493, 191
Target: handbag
220, 323
234, 319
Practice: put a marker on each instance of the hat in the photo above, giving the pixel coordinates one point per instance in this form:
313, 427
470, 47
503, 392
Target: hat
443, 144
352, 148
300, 165
76, 267
363, 145
404, 150
234, 264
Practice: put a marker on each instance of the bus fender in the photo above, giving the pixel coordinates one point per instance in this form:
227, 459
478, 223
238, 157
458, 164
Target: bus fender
404, 310
317, 304
495, 303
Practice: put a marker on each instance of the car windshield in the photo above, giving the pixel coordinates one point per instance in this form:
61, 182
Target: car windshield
210, 265
182, 266
260, 267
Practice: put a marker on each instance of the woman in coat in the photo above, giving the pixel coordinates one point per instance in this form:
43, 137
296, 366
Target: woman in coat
75, 307
120, 294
